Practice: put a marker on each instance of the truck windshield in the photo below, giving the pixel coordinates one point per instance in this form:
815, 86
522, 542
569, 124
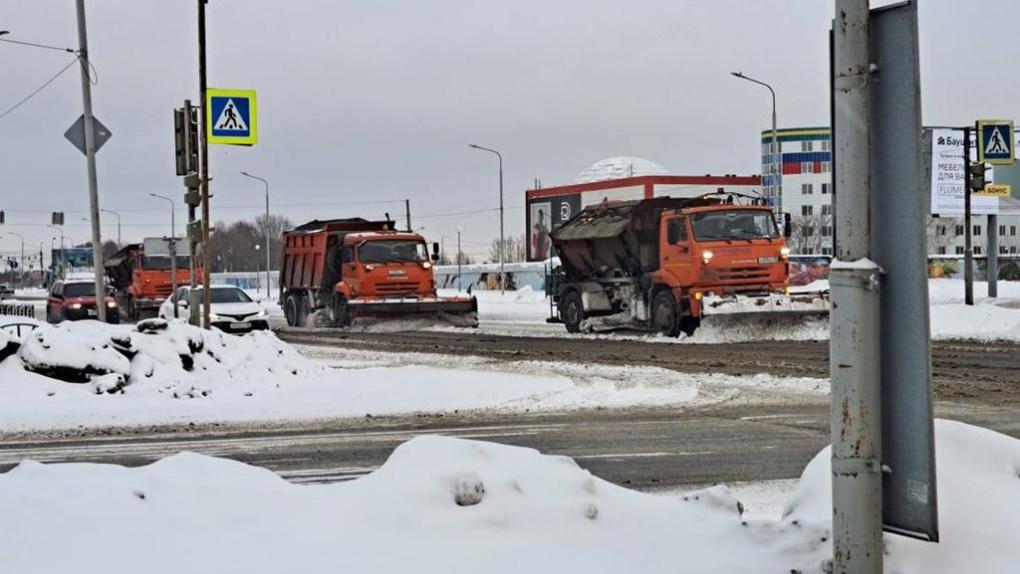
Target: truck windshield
163, 262
735, 224
392, 251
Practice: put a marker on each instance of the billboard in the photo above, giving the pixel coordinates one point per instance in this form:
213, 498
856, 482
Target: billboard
947, 178
545, 214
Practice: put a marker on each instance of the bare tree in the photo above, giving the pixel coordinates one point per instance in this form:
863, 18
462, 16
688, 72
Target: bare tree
516, 249
810, 234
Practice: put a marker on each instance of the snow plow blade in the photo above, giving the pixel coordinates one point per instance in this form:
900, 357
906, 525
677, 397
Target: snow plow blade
765, 313
458, 312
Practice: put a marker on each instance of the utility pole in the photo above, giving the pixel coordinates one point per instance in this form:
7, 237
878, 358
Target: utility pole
202, 88
90, 160
968, 247
993, 255
854, 346
460, 258
407, 211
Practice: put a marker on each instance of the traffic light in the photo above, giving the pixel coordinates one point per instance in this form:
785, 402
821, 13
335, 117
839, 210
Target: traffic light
977, 178
186, 139
57, 218
3, 217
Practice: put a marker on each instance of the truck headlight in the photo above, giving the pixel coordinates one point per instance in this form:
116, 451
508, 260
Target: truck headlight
784, 252
707, 256
75, 305
426, 265
111, 304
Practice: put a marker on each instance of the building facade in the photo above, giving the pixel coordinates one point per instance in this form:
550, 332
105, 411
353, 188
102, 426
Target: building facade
803, 188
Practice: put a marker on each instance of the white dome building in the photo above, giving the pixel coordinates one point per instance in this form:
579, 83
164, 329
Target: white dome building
620, 167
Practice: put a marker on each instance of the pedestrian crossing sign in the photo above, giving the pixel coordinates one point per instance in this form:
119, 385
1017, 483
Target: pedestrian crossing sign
996, 142
231, 117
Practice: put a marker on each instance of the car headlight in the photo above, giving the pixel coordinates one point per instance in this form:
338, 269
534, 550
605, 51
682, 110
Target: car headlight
262, 314
707, 256
111, 304
75, 305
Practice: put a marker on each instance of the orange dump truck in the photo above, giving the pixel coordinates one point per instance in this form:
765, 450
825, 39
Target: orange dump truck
662, 264
142, 274
340, 271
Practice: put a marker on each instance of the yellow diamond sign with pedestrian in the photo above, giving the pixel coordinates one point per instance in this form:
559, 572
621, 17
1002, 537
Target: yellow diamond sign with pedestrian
231, 117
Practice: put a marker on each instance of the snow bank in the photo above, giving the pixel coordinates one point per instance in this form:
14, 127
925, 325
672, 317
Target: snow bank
978, 481
445, 505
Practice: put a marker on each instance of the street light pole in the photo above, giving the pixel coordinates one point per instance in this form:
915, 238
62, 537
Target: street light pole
90, 159
776, 162
173, 249
459, 259
502, 237
117, 215
266, 183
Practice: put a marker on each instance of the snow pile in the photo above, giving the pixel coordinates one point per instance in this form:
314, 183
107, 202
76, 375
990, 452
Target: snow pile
175, 358
978, 482
444, 505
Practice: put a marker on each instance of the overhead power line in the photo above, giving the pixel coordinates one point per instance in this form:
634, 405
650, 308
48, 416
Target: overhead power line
39, 89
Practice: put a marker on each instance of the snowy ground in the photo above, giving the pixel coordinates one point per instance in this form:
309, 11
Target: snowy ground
524, 313
445, 505
258, 378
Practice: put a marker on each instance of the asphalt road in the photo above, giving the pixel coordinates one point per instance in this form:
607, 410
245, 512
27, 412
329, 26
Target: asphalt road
985, 373
644, 449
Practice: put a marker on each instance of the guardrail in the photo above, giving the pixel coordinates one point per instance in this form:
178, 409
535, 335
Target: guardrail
18, 310
18, 329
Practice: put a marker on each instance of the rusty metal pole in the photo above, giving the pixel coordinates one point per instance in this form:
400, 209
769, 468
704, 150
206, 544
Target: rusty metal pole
854, 346
202, 86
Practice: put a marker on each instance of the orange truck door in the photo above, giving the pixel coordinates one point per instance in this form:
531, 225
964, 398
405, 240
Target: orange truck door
675, 250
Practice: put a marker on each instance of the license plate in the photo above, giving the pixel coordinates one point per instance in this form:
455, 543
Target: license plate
93, 312
398, 272
240, 325
767, 260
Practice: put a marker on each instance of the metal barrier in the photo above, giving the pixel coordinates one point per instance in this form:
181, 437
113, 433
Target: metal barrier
18, 310
19, 329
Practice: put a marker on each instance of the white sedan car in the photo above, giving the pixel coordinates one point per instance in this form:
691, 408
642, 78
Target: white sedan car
230, 310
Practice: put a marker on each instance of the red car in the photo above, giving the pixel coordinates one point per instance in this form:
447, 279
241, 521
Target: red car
73, 300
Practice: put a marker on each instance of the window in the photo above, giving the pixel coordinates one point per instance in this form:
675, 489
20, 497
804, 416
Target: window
392, 251
1002, 230
826, 188
826, 251
807, 167
825, 166
806, 189
805, 146
941, 250
676, 231
826, 145
977, 250
826, 231
1002, 249
959, 230
1012, 248
807, 210
1012, 230
827, 209
959, 250
941, 229
807, 231
977, 230
809, 251
736, 224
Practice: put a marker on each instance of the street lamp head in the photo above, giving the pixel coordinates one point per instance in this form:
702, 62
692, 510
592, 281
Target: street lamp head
737, 74
4, 32
245, 173
473, 146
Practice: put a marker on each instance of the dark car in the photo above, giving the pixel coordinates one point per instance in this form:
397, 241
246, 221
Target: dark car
6, 290
73, 300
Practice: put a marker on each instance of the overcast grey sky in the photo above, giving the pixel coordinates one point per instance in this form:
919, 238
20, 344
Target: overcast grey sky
368, 101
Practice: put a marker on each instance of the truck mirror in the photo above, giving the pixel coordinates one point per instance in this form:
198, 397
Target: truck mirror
435, 248
787, 226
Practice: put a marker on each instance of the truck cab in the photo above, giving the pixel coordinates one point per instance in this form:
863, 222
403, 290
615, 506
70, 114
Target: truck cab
721, 250
385, 264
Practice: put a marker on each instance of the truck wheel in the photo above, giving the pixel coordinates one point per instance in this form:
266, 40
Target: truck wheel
290, 310
689, 324
572, 311
665, 317
304, 310
340, 311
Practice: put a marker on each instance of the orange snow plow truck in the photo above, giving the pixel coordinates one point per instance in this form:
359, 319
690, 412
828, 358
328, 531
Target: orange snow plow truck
340, 272
663, 264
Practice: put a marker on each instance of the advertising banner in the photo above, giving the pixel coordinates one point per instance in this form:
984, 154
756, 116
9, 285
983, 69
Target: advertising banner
948, 179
